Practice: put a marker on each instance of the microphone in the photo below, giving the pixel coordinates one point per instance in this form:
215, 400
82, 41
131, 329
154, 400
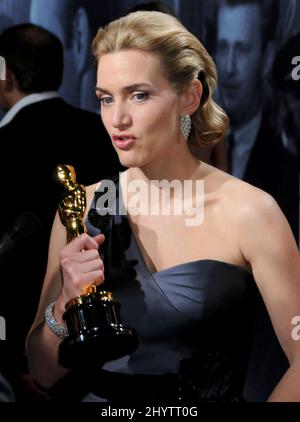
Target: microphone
25, 228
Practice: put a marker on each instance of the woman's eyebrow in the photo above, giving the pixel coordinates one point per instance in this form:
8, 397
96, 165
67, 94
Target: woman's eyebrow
128, 88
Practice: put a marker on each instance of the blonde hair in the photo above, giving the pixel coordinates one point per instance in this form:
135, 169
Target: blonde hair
183, 59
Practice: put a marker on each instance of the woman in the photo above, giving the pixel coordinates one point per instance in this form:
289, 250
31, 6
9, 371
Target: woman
190, 295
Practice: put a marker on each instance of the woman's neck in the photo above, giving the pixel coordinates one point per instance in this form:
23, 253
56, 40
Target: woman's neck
183, 166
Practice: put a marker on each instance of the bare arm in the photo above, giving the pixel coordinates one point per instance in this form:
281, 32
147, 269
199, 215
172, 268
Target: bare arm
42, 344
268, 245
69, 271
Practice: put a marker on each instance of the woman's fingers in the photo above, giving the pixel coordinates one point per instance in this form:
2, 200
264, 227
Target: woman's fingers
83, 280
81, 265
83, 256
83, 242
73, 268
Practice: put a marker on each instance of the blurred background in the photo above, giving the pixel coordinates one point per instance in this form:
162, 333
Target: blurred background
253, 44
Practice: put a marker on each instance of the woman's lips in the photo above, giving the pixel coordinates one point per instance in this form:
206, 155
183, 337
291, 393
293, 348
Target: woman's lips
124, 143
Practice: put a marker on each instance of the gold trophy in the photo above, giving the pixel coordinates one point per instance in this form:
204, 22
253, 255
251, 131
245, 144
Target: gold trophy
95, 330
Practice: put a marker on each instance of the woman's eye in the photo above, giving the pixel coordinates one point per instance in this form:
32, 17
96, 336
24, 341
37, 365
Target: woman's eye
141, 96
105, 100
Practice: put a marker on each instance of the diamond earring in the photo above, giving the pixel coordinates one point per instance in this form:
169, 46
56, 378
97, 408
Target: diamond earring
185, 126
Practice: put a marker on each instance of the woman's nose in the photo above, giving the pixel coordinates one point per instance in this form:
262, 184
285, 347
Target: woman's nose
121, 117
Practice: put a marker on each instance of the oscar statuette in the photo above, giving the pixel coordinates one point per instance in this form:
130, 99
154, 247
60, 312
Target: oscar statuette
95, 330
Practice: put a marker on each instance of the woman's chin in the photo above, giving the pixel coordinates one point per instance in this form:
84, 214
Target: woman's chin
128, 161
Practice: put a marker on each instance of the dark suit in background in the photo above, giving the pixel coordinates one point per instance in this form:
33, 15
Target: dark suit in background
39, 131
273, 169
244, 61
41, 136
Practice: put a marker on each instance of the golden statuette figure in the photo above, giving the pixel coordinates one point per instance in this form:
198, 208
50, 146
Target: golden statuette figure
72, 206
93, 319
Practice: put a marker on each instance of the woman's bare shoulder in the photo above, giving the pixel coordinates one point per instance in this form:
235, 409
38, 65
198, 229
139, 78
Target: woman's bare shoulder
219, 179
238, 197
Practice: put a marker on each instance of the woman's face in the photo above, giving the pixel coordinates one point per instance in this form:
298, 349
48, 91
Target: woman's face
139, 108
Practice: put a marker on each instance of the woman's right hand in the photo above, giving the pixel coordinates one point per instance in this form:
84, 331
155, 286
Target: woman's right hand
80, 265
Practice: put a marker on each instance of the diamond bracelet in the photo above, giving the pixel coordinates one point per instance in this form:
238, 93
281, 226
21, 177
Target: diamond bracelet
59, 329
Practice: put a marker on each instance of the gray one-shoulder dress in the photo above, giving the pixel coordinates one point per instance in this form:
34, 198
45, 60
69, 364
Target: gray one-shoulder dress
193, 320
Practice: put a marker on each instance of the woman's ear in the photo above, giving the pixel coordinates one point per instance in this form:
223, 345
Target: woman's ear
191, 97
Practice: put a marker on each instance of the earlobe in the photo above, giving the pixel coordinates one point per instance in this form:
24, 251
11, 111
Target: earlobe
192, 97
